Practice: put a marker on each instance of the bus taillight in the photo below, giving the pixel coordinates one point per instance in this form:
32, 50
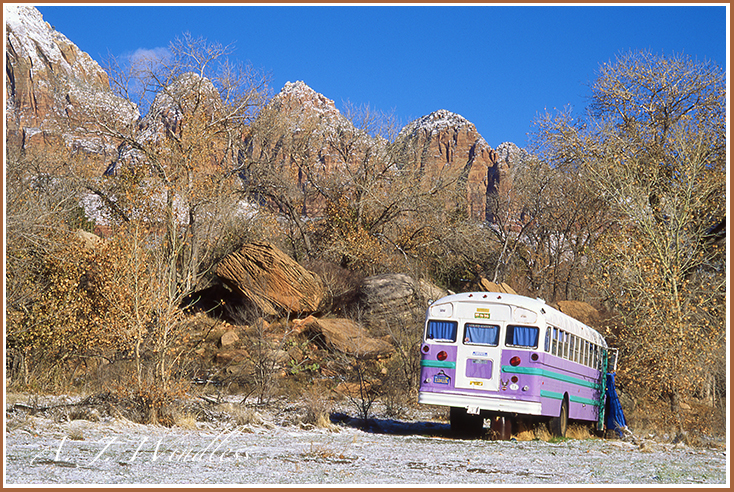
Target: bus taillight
515, 361
425, 349
442, 355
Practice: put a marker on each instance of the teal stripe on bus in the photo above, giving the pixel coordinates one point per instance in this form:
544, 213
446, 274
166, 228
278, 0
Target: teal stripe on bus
551, 394
438, 363
573, 399
587, 401
539, 371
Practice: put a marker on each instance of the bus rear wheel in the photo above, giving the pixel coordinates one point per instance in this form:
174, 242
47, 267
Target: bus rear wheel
464, 424
502, 428
559, 425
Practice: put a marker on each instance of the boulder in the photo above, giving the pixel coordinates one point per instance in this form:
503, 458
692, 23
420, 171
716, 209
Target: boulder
229, 337
231, 356
345, 336
580, 310
272, 281
430, 292
88, 239
485, 285
395, 299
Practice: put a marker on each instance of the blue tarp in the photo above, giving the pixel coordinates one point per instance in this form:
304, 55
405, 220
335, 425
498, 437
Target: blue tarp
615, 416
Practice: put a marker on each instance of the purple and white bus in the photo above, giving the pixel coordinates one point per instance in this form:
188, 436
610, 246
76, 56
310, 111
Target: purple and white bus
507, 357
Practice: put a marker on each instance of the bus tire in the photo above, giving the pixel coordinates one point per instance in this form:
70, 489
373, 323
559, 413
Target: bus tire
464, 424
559, 425
502, 427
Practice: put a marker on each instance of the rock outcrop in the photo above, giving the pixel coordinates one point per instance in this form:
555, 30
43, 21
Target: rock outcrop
582, 311
56, 94
449, 148
485, 285
389, 301
272, 281
443, 147
305, 140
190, 102
345, 336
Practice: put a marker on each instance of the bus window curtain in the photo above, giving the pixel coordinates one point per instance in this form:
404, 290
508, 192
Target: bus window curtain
524, 336
484, 334
442, 330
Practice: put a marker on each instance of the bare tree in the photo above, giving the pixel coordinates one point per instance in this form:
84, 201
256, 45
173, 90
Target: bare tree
173, 190
653, 148
346, 193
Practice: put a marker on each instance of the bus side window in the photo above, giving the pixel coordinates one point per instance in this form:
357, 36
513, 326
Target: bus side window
588, 353
571, 347
547, 339
560, 343
441, 330
554, 346
522, 336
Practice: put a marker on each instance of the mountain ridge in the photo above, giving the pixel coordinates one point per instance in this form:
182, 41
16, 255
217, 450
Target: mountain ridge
52, 83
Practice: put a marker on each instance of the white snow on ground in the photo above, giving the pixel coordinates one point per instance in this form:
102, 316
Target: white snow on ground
417, 451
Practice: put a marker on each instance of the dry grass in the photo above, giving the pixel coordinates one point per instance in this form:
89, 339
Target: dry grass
76, 432
319, 452
242, 415
540, 432
578, 431
322, 451
317, 410
185, 420
536, 432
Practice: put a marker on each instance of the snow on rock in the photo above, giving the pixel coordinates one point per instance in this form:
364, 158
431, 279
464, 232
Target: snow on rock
450, 148
54, 88
508, 153
308, 98
438, 122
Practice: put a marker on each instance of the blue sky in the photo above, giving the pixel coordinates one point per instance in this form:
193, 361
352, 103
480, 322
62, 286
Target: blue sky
498, 66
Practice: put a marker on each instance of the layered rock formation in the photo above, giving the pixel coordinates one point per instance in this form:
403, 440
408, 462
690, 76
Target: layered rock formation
304, 139
451, 150
390, 301
55, 93
443, 146
272, 281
